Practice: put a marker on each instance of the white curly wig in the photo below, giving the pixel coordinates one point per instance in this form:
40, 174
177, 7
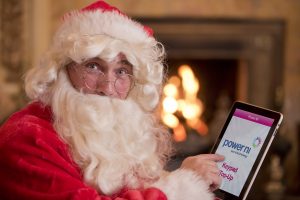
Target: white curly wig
100, 30
113, 145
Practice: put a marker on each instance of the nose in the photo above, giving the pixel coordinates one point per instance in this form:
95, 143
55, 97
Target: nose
106, 88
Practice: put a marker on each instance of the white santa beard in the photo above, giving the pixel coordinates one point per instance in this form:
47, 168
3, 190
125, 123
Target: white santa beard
113, 141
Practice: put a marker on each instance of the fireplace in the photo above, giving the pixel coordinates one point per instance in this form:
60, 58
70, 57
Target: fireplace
256, 46
217, 78
233, 59
196, 100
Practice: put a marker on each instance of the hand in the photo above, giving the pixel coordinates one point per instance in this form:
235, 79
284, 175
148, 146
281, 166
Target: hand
205, 165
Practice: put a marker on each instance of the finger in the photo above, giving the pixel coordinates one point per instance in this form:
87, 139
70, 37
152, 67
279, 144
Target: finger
215, 181
213, 187
212, 157
208, 163
211, 166
215, 170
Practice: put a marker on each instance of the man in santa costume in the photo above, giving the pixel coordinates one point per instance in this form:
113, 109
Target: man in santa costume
90, 131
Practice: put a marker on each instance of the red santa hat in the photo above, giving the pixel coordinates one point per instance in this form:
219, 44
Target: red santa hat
100, 18
101, 30
101, 6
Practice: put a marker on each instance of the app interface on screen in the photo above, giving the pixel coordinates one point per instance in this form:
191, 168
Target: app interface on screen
241, 143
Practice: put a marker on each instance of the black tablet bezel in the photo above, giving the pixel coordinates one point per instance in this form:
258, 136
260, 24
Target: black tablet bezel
259, 111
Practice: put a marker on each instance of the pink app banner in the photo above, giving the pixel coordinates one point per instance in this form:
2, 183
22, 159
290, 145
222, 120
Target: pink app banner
253, 117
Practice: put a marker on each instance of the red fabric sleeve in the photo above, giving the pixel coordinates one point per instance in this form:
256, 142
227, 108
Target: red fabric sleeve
35, 164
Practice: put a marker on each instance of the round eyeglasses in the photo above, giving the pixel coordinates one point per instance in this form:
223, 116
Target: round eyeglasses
96, 81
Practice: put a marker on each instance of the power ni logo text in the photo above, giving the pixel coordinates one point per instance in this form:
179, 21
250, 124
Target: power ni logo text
236, 146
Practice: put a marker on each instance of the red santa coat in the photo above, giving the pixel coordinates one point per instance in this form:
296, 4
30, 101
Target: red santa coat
36, 164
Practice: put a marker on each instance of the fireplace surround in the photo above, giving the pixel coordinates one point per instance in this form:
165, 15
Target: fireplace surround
256, 44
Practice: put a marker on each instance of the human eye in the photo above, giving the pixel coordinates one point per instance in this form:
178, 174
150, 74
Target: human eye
124, 68
122, 71
93, 67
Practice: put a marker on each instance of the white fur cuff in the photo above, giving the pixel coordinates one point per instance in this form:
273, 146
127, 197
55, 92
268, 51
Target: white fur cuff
183, 184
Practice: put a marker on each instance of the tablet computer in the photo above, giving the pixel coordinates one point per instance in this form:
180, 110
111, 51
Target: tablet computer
244, 141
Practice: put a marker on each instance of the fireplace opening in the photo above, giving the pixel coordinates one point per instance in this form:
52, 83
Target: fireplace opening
217, 78
216, 83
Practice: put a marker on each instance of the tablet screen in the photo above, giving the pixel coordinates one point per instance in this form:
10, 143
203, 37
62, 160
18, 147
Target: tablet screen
241, 144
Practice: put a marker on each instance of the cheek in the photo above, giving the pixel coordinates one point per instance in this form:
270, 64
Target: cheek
76, 80
89, 82
73, 78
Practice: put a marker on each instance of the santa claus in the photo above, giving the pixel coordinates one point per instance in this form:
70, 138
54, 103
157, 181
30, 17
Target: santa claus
90, 131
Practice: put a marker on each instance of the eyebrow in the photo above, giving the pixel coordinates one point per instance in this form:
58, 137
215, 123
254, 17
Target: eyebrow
126, 62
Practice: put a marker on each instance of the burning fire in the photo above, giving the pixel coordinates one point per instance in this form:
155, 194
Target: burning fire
181, 105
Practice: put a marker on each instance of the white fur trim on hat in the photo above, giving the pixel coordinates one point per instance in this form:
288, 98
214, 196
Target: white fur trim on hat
112, 24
